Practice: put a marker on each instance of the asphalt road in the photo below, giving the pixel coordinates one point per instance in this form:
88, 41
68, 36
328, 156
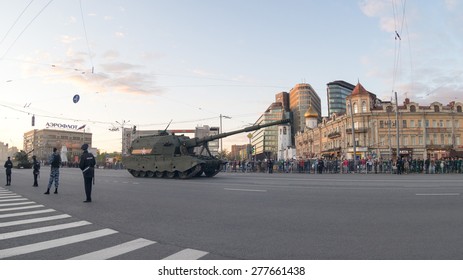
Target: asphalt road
243, 216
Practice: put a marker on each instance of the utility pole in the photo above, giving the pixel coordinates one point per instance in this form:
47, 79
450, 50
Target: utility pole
353, 135
397, 125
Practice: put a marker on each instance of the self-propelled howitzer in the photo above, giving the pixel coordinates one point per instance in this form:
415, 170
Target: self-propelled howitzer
173, 156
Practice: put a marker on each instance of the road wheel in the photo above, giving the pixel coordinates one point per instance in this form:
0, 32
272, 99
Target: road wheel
159, 174
150, 174
135, 173
170, 175
142, 174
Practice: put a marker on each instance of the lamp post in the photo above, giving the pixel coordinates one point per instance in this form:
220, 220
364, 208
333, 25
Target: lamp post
354, 145
221, 143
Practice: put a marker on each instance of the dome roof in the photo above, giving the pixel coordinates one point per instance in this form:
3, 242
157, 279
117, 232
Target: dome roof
311, 113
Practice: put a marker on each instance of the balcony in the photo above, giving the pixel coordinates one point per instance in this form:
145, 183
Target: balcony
357, 130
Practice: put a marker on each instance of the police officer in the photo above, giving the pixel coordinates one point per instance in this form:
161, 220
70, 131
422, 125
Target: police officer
87, 165
36, 170
8, 165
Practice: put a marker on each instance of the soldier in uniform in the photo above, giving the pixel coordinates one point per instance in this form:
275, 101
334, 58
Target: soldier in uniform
36, 170
8, 165
87, 165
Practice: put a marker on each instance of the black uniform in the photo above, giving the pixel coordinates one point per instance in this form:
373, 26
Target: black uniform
8, 165
36, 170
87, 165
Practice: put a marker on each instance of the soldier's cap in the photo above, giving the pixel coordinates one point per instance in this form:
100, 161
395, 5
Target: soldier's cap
84, 147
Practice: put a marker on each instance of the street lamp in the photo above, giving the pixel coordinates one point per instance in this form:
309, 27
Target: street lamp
121, 124
221, 143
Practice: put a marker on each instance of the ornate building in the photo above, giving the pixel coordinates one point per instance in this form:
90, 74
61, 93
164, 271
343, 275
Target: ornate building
432, 131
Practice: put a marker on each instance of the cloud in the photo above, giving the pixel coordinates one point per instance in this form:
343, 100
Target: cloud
66, 39
373, 8
111, 76
119, 34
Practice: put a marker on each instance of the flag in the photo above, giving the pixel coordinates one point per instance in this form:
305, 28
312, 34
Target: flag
81, 127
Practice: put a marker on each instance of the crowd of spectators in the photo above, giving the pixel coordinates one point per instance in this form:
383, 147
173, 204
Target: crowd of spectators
345, 166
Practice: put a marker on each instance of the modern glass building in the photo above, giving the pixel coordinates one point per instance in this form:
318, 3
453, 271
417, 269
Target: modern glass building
337, 92
300, 97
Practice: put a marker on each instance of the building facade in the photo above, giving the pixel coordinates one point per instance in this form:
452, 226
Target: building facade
336, 93
265, 140
300, 97
380, 129
41, 142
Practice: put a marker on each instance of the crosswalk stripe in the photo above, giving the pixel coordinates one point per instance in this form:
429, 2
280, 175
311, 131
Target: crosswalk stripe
20, 208
26, 213
16, 203
26, 232
8, 197
35, 220
114, 251
187, 254
15, 251
14, 199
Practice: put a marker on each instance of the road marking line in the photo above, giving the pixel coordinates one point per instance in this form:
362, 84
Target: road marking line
14, 199
16, 203
115, 251
244, 190
187, 254
26, 213
21, 208
35, 220
437, 194
15, 251
20, 233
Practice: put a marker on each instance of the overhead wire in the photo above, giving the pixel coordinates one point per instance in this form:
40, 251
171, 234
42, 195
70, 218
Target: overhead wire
25, 28
86, 36
16, 21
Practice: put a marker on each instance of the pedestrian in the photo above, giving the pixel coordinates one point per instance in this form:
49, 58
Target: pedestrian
36, 170
8, 165
55, 162
87, 165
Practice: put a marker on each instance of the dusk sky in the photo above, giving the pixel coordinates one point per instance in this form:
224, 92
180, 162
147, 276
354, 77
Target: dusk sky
150, 62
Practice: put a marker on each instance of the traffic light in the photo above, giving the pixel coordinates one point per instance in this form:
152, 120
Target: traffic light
33, 120
253, 149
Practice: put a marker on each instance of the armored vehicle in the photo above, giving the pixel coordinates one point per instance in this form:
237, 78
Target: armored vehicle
166, 155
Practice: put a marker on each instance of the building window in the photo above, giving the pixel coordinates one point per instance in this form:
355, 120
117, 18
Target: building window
441, 123
426, 123
389, 109
404, 123
381, 124
459, 109
420, 140
364, 107
412, 108
355, 108
420, 122
405, 140
448, 123
412, 123
457, 140
413, 140
436, 108
442, 139
435, 139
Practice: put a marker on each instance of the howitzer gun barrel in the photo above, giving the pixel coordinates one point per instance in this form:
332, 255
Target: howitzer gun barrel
199, 141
